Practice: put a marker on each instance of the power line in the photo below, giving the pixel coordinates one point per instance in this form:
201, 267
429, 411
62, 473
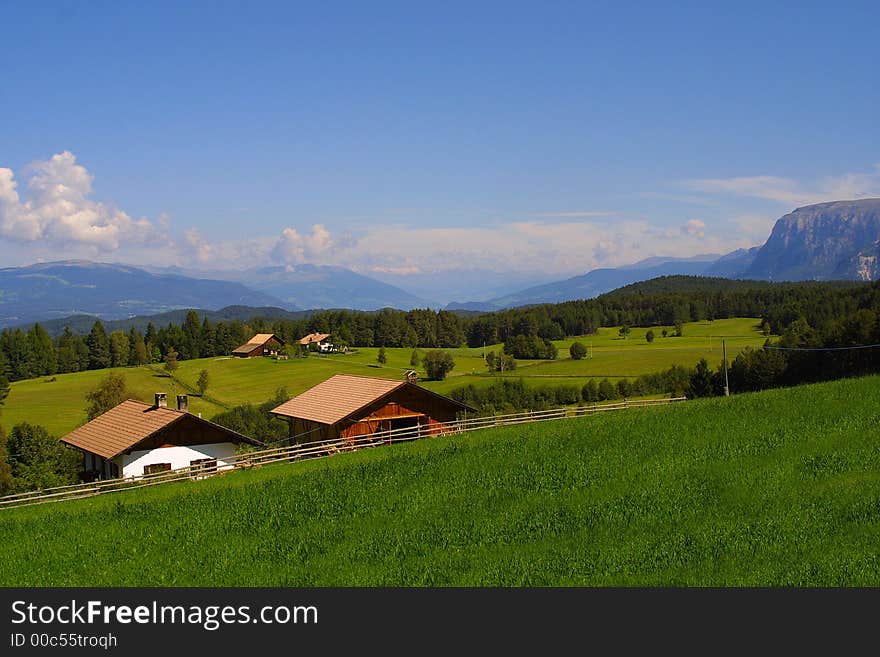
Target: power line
860, 346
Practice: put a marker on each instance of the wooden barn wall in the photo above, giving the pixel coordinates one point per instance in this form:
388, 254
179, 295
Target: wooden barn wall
188, 431
407, 401
306, 431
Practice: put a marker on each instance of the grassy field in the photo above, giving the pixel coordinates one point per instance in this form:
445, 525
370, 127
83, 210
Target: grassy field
58, 402
778, 488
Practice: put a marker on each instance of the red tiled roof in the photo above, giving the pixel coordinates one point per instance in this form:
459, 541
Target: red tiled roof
337, 398
314, 337
129, 423
257, 341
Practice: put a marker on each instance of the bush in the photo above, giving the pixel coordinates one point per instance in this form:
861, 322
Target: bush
649, 336
577, 350
531, 347
438, 364
255, 421
590, 391
607, 390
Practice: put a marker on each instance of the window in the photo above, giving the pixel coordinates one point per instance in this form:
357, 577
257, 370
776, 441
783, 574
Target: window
204, 466
153, 468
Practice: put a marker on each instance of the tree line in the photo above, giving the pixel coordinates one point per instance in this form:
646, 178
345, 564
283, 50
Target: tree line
526, 332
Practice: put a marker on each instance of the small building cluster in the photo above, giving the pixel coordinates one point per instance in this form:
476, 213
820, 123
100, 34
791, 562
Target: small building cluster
135, 438
319, 341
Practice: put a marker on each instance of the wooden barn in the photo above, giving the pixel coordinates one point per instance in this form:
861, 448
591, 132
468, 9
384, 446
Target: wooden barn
262, 344
348, 406
135, 438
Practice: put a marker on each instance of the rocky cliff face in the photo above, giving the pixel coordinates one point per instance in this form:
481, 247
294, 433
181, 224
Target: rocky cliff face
838, 240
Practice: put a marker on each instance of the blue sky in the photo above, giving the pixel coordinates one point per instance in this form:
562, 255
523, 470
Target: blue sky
401, 140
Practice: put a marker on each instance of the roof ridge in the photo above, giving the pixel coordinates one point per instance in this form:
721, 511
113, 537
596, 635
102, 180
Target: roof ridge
363, 376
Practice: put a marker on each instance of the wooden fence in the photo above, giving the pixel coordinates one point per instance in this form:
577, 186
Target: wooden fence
310, 450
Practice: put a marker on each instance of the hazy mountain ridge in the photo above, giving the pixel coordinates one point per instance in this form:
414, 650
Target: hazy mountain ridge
827, 241
837, 240
55, 290
324, 286
592, 284
82, 324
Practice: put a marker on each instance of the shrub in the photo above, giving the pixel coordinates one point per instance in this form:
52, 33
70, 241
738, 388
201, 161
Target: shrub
438, 364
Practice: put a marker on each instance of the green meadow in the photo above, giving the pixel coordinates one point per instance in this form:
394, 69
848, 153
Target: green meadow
778, 488
58, 402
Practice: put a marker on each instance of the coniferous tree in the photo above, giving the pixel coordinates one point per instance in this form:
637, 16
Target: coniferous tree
119, 349
208, 340
39, 460
41, 351
99, 347
137, 348
6, 480
171, 363
192, 336
203, 382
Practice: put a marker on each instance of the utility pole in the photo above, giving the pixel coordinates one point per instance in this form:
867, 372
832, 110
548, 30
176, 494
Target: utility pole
724, 356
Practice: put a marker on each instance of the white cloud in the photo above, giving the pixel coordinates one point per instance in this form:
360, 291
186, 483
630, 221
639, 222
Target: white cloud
694, 228
575, 215
552, 247
58, 209
293, 247
791, 192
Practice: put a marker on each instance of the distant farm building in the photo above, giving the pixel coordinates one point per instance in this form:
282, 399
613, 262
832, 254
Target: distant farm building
135, 438
320, 340
262, 344
348, 406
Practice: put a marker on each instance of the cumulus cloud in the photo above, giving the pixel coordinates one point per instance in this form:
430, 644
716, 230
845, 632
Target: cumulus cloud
59, 209
552, 247
317, 245
694, 228
792, 192
577, 214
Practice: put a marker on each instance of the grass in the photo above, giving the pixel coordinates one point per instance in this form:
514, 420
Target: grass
780, 488
60, 404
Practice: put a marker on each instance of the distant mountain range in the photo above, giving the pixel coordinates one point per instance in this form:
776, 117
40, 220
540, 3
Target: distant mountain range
839, 240
323, 286
55, 290
827, 241
313, 286
593, 283
82, 324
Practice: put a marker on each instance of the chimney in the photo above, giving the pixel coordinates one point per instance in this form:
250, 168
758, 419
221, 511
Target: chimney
182, 403
161, 401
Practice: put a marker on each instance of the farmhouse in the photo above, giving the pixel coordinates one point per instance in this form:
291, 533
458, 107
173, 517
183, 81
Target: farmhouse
347, 406
262, 344
321, 340
134, 439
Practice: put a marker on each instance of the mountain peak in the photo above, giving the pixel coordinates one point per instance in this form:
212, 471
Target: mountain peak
824, 241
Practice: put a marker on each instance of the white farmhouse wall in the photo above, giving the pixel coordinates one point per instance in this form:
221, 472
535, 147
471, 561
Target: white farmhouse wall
178, 456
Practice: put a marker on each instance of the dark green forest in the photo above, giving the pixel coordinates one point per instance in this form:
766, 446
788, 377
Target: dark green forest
814, 314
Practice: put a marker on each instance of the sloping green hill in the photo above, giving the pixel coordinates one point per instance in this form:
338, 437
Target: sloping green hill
774, 488
58, 402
